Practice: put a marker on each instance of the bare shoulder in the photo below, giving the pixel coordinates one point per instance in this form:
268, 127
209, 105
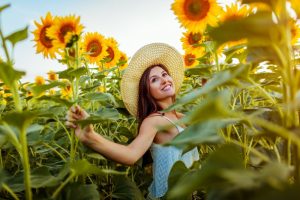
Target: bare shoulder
152, 119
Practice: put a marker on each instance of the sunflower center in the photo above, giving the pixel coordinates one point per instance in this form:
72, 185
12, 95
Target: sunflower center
111, 53
189, 59
94, 47
194, 38
46, 41
196, 9
64, 30
293, 32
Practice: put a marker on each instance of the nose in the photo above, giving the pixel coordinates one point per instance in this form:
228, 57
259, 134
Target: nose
163, 79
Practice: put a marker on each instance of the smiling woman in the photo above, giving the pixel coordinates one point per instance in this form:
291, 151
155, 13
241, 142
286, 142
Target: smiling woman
149, 85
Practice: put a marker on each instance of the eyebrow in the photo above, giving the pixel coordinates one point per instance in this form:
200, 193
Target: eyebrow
156, 75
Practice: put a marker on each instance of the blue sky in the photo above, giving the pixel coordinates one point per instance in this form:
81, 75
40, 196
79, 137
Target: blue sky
133, 23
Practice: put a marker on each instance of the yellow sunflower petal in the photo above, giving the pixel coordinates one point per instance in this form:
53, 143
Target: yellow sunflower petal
63, 29
234, 11
195, 15
113, 53
192, 41
44, 44
123, 61
190, 58
94, 47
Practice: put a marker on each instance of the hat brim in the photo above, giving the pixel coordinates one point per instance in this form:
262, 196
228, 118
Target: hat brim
149, 55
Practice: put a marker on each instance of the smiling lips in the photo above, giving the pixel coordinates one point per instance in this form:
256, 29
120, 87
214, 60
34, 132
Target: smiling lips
167, 87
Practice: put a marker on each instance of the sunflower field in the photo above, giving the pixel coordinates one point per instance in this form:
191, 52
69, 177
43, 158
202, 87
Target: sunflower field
240, 97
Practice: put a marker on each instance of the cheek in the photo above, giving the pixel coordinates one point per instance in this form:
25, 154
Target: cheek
154, 89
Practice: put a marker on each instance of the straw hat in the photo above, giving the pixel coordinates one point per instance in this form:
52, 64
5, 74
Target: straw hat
149, 55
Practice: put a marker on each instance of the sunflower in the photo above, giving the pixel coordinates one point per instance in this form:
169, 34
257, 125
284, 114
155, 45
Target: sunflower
192, 41
94, 47
123, 61
66, 91
190, 59
295, 31
113, 53
44, 44
63, 30
234, 11
194, 15
296, 6
39, 80
52, 75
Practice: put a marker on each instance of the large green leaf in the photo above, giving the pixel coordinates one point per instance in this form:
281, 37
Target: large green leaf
215, 106
99, 97
219, 79
83, 167
38, 89
178, 170
126, 189
226, 157
41, 177
3, 177
21, 120
258, 28
71, 73
18, 36
57, 99
8, 75
200, 133
76, 191
102, 115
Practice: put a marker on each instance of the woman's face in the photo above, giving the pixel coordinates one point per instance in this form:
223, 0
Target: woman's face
161, 83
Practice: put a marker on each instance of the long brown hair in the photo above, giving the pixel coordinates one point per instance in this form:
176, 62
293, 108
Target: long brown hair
147, 104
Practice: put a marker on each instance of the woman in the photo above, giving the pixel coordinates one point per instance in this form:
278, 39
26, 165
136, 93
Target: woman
149, 84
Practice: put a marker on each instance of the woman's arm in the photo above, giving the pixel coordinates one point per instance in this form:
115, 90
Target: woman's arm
125, 154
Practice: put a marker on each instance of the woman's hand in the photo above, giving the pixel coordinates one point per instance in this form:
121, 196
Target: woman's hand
77, 113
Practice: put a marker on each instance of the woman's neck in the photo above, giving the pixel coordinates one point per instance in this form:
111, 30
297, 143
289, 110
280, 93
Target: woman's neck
165, 103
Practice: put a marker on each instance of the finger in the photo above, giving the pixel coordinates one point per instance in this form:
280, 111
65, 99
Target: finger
73, 109
78, 109
70, 124
72, 116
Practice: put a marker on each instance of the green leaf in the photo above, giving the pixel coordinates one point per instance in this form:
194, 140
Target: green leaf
178, 170
8, 74
226, 157
200, 133
102, 115
18, 36
99, 97
219, 79
4, 7
71, 73
76, 191
38, 89
41, 177
83, 167
258, 28
199, 70
215, 106
21, 120
3, 177
126, 189
57, 99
